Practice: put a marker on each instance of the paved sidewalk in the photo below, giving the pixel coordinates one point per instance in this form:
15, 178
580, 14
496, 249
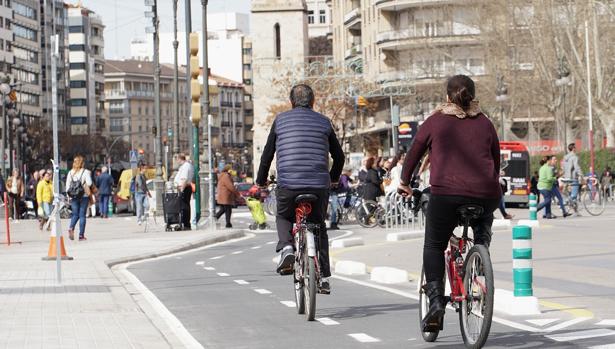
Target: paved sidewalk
91, 308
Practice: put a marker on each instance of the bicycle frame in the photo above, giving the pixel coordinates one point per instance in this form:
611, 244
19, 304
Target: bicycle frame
304, 238
454, 266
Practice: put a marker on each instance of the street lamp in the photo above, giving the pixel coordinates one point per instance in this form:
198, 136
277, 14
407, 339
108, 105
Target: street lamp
563, 80
5, 89
501, 96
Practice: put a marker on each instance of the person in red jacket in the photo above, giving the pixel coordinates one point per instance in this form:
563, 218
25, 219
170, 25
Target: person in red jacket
464, 153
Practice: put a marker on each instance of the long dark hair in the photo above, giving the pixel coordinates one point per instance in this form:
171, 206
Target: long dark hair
460, 90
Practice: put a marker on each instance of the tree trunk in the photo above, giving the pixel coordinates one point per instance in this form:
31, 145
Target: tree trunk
609, 128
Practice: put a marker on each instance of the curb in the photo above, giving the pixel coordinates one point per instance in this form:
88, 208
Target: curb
342, 243
501, 223
388, 275
405, 235
529, 223
209, 240
350, 268
505, 302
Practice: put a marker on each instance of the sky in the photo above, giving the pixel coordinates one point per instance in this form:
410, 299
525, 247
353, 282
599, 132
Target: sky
124, 20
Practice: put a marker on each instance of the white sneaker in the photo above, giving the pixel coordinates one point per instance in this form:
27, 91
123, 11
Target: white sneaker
139, 222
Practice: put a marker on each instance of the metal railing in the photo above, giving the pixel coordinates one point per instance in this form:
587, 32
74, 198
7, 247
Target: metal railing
398, 213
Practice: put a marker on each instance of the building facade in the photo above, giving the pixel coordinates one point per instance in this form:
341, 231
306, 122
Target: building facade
318, 17
6, 36
86, 71
129, 105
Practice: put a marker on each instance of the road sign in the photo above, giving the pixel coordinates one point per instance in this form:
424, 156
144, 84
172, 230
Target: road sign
133, 159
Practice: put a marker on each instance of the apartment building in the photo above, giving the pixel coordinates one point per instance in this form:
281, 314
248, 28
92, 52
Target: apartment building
86, 70
129, 104
318, 17
26, 45
248, 104
6, 35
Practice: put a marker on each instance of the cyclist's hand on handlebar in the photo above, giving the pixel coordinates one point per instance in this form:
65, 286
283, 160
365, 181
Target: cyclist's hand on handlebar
404, 190
261, 186
334, 185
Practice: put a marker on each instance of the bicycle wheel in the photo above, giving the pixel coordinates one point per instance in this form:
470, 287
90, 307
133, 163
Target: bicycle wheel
593, 201
423, 308
298, 285
309, 286
365, 214
476, 310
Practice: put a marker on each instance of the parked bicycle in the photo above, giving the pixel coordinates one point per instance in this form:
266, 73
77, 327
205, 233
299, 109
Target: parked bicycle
307, 270
471, 282
591, 195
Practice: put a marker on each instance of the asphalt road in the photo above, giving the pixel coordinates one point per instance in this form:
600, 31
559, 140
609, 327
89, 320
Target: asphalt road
228, 296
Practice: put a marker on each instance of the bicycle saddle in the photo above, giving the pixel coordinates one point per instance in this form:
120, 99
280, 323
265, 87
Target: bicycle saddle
306, 198
469, 212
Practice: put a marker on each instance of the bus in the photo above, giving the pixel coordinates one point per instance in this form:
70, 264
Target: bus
515, 162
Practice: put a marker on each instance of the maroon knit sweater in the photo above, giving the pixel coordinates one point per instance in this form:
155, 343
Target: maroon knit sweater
464, 155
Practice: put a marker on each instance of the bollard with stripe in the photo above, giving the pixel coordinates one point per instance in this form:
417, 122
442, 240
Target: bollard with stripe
532, 205
522, 260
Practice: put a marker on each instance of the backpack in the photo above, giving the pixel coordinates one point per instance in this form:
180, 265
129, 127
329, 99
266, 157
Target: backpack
75, 189
132, 185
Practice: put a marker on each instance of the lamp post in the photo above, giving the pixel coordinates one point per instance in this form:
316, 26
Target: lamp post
176, 85
5, 89
501, 96
207, 167
563, 80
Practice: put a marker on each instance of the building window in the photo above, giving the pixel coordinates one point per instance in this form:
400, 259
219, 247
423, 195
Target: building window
25, 76
76, 47
77, 84
247, 51
247, 66
310, 17
24, 32
323, 17
278, 42
78, 102
24, 10
77, 66
75, 29
25, 55
78, 121
247, 81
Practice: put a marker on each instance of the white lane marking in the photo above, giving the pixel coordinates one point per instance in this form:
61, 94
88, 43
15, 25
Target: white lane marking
172, 322
416, 297
566, 324
289, 304
272, 242
607, 322
262, 291
363, 338
541, 322
347, 233
199, 263
241, 282
326, 321
237, 252
576, 335
223, 274
217, 257
606, 346
412, 339
209, 268
256, 247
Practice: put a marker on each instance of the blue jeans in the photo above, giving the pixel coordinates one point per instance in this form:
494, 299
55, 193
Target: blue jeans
335, 204
558, 195
502, 207
79, 208
141, 201
104, 204
574, 189
47, 208
546, 204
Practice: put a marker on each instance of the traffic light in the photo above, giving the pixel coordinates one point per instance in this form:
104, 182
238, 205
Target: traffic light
195, 71
361, 101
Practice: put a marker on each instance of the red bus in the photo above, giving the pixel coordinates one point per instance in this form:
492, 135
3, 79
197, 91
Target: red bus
515, 162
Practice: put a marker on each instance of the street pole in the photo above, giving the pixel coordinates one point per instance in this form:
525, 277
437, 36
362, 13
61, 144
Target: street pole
4, 133
56, 154
589, 101
176, 92
188, 21
207, 162
394, 125
158, 181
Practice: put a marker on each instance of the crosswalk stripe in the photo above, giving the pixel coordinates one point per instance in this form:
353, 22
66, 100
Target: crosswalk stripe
541, 322
262, 291
237, 252
607, 322
289, 304
199, 263
326, 321
241, 282
605, 346
364, 338
223, 274
209, 268
256, 247
576, 335
217, 257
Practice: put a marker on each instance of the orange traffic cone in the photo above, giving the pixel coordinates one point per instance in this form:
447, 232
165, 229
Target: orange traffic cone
51, 254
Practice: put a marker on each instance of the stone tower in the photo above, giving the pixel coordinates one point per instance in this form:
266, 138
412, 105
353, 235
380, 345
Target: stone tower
279, 38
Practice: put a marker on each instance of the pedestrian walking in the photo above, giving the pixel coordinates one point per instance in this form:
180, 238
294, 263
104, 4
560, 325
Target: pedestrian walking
105, 183
2, 190
78, 184
464, 157
504, 186
572, 170
546, 180
373, 183
31, 190
556, 193
16, 189
606, 179
226, 196
183, 182
534, 186
44, 197
141, 193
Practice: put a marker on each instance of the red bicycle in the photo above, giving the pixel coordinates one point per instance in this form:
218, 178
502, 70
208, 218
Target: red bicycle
471, 283
307, 270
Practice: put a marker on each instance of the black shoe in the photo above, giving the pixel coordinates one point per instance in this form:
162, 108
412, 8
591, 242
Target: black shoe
567, 214
551, 216
229, 226
434, 319
334, 227
324, 288
287, 261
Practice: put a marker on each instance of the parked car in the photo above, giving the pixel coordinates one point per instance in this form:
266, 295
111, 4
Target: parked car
244, 190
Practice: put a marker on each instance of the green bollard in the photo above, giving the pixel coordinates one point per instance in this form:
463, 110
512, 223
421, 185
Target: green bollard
532, 204
522, 261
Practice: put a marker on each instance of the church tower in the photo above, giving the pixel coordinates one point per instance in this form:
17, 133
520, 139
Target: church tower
279, 32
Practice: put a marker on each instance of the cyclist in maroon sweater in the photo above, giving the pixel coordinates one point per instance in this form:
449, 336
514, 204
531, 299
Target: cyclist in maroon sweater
464, 152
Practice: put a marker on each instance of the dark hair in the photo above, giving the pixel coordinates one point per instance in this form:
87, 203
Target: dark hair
301, 95
571, 146
369, 163
545, 159
460, 90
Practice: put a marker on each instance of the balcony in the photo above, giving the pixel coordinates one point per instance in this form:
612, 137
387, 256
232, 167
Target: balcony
226, 104
225, 123
237, 104
399, 5
403, 39
115, 93
352, 19
433, 74
353, 52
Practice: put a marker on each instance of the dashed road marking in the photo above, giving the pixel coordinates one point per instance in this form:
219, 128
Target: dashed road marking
606, 346
327, 321
541, 322
223, 274
262, 291
217, 257
237, 252
199, 263
576, 335
364, 338
565, 324
256, 247
178, 257
607, 322
209, 268
289, 304
241, 282
271, 242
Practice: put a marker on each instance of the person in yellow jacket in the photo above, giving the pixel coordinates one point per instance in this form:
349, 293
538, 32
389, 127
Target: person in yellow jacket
44, 197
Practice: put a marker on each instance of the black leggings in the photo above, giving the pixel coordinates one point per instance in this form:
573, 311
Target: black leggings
442, 220
227, 211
